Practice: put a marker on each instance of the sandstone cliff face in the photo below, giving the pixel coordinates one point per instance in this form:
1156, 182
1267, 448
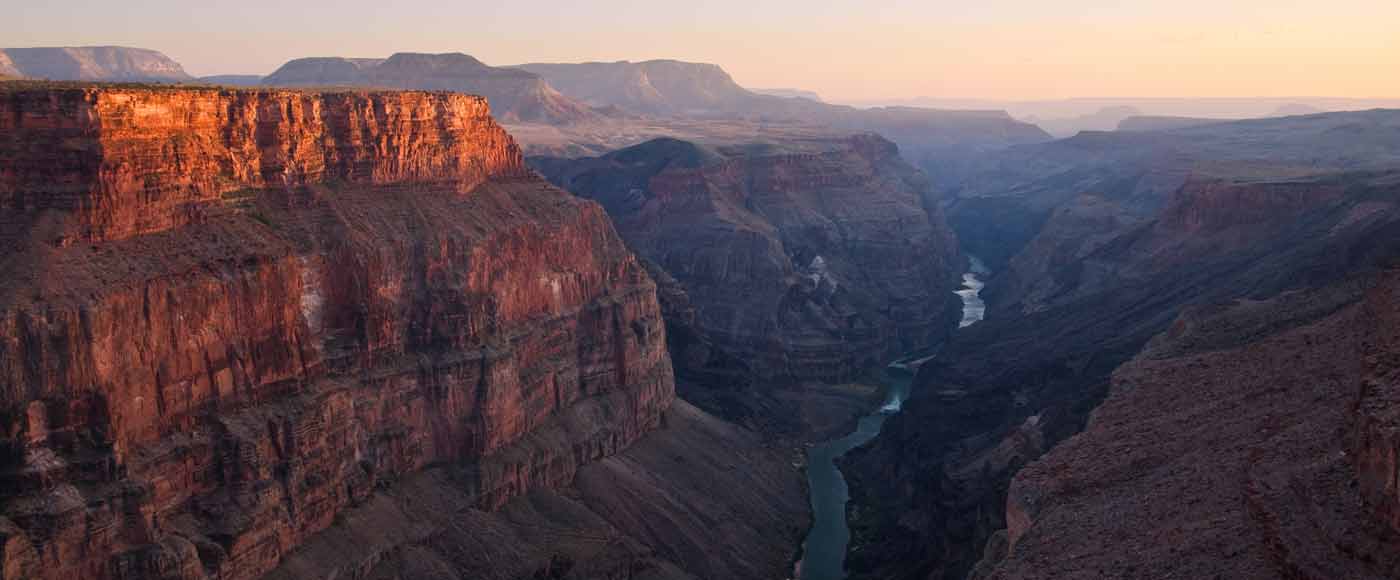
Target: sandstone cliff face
91, 63
112, 164
230, 316
813, 266
515, 95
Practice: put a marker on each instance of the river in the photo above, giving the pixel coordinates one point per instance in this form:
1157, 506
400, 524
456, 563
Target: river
824, 551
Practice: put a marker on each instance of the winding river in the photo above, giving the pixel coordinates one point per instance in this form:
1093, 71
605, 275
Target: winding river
824, 551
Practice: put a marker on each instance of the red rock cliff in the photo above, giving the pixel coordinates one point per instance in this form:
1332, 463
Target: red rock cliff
228, 316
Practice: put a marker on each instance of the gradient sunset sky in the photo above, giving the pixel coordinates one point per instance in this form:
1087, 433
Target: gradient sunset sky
845, 50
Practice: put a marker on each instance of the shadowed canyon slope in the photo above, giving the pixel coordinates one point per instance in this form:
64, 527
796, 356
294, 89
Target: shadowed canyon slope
337, 334
1253, 440
515, 95
1135, 234
781, 266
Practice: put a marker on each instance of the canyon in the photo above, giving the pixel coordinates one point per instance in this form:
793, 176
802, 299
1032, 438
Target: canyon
349, 323
317, 334
1158, 287
824, 549
779, 267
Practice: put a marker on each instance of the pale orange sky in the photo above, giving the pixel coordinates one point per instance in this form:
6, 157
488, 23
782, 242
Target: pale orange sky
845, 50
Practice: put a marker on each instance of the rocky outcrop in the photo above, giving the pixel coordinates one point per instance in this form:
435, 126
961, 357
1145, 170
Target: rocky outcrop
232, 318
515, 95
91, 63
814, 266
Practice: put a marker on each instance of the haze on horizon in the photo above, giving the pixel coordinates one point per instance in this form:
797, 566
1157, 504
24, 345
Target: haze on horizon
845, 50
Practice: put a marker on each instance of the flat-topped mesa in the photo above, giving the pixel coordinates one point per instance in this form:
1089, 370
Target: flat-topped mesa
282, 302
128, 161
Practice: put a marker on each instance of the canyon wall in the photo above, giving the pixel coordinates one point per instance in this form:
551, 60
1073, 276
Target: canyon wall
1085, 297
1245, 442
812, 266
231, 317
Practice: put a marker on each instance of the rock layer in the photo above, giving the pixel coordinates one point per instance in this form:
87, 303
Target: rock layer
230, 316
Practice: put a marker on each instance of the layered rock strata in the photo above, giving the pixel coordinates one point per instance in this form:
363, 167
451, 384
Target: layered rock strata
231, 316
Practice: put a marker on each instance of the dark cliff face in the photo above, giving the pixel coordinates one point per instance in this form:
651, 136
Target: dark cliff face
231, 319
515, 95
815, 266
1087, 296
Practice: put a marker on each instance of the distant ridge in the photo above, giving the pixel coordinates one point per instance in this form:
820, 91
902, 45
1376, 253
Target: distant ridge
666, 87
233, 80
1164, 123
515, 95
705, 91
91, 63
791, 94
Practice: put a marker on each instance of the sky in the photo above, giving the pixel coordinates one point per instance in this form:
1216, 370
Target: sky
844, 50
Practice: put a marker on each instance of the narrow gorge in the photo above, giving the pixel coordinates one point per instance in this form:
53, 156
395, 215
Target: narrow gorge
782, 267
824, 549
